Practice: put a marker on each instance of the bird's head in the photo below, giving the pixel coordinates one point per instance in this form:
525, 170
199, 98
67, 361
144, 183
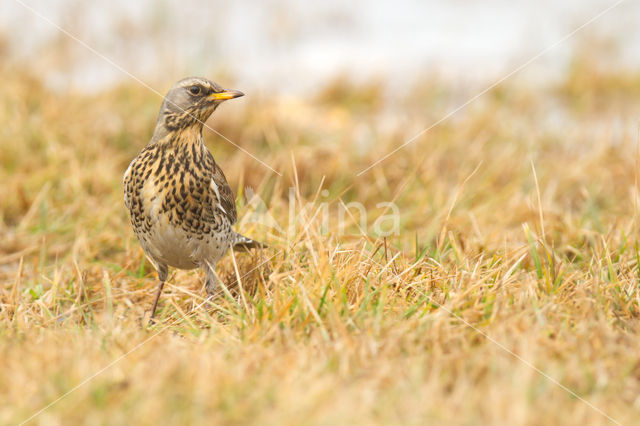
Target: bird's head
190, 102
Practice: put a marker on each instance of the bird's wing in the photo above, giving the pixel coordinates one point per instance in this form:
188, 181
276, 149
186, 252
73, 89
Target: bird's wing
224, 201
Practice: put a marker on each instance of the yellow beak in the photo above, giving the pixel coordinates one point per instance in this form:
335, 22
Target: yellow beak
227, 94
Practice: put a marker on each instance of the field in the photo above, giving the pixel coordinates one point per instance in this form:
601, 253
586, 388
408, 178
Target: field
508, 295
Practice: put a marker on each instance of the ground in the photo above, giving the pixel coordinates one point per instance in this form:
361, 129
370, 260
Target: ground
507, 295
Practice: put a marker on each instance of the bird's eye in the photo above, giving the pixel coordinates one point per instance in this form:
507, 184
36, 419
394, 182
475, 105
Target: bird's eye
194, 90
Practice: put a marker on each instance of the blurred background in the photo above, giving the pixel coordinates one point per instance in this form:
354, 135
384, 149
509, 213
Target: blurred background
295, 47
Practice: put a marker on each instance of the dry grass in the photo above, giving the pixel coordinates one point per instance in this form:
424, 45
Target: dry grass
327, 328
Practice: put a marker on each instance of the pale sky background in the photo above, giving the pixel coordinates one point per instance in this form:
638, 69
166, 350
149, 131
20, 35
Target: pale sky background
297, 46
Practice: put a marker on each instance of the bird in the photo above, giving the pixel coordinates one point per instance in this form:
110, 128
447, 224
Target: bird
180, 205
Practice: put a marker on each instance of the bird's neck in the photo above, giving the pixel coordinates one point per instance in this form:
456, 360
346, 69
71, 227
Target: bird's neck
191, 135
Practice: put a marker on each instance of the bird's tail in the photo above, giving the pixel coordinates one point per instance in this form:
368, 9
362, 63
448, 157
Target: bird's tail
243, 243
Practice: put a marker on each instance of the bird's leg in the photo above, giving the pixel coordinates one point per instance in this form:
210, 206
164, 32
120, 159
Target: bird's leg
211, 284
211, 281
155, 302
162, 276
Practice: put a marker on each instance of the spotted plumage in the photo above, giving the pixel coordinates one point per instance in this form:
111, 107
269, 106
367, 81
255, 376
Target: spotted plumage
181, 207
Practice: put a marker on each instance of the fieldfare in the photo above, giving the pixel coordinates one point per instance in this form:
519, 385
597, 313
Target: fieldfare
180, 204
